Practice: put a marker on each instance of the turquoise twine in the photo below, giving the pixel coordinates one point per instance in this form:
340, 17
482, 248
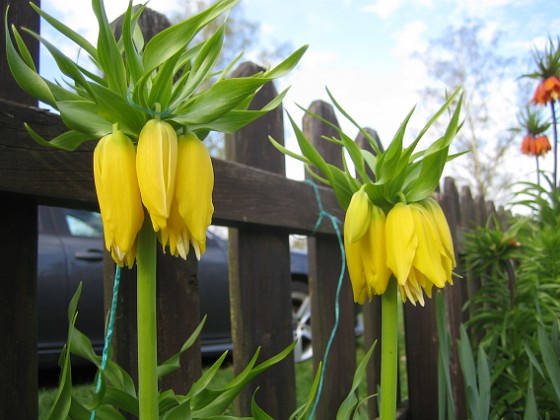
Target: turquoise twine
335, 222
109, 336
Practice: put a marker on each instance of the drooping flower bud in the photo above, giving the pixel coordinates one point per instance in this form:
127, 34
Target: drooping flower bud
358, 216
156, 164
193, 190
114, 169
366, 258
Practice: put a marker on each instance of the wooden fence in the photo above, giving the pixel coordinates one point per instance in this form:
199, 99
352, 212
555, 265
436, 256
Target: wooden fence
254, 198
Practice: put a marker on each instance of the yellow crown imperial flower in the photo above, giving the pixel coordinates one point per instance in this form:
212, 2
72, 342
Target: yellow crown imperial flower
156, 164
358, 216
114, 170
366, 257
419, 248
193, 190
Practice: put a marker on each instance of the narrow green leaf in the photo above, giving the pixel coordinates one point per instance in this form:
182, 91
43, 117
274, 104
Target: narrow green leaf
484, 384
82, 116
25, 76
205, 60
531, 411
114, 108
469, 372
173, 363
133, 58
238, 118
181, 412
258, 412
217, 100
349, 404
66, 31
69, 140
201, 384
66, 66
109, 55
302, 412
174, 39
550, 362
287, 65
24, 52
287, 152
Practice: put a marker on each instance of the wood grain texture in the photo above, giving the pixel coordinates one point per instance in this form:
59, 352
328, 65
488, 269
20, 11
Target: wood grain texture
259, 261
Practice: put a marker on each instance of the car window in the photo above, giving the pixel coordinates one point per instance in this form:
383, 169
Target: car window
83, 223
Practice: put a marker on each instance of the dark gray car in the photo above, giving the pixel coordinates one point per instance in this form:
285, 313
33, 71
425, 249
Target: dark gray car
71, 251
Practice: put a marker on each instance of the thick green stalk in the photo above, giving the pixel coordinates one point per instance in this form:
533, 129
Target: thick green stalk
388, 405
147, 327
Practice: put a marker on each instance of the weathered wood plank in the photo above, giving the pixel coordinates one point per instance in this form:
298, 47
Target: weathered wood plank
421, 359
18, 259
324, 267
259, 261
242, 195
455, 295
18, 307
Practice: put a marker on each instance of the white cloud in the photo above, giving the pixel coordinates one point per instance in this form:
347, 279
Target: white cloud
383, 8
410, 39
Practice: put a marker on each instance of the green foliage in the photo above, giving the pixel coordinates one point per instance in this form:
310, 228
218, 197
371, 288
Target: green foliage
515, 310
398, 173
167, 77
207, 398
353, 407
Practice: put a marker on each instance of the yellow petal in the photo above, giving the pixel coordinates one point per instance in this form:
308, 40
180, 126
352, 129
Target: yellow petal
358, 216
401, 240
176, 234
442, 227
377, 272
156, 163
354, 253
118, 194
428, 255
193, 191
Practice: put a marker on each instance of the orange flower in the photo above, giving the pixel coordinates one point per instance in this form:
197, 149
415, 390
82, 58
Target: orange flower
535, 146
547, 91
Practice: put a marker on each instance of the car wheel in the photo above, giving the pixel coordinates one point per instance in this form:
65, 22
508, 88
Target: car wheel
301, 321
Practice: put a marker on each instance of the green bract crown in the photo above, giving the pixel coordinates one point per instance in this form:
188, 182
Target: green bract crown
399, 174
166, 76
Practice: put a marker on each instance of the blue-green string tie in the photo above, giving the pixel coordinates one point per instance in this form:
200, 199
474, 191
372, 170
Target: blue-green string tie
335, 223
109, 334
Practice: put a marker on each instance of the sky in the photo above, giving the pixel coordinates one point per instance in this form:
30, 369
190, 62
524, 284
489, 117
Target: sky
364, 51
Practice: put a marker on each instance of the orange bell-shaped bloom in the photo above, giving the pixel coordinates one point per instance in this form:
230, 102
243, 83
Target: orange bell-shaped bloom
547, 91
535, 146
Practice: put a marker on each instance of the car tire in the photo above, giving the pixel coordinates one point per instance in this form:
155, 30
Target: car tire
301, 321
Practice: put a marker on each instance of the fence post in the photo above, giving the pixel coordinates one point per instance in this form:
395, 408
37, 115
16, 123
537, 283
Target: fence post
324, 268
455, 295
18, 259
259, 261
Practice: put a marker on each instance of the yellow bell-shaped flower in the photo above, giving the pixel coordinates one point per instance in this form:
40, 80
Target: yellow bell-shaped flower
358, 216
419, 248
156, 164
114, 170
366, 258
401, 240
193, 190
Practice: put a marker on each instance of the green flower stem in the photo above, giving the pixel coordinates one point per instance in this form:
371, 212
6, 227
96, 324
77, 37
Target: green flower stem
147, 327
388, 405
